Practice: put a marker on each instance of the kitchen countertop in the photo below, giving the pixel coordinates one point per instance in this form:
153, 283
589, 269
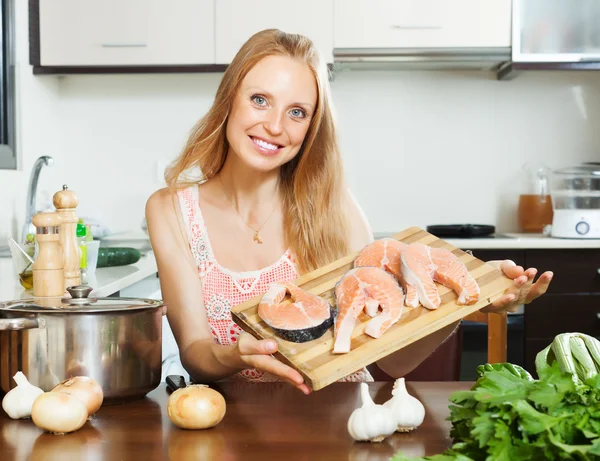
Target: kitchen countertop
263, 421
513, 241
105, 281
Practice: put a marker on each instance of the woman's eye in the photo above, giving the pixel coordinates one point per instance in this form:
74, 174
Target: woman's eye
259, 100
298, 113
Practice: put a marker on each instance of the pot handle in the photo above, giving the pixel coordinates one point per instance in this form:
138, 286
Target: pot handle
21, 324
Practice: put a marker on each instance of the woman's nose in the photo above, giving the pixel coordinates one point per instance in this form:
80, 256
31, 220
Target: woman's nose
274, 122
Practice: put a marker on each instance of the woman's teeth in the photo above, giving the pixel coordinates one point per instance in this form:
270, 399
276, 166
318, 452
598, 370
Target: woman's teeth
265, 144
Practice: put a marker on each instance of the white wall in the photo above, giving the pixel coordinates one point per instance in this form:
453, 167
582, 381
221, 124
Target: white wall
419, 147
424, 148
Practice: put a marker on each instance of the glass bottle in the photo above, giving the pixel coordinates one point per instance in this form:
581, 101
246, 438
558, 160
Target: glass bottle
81, 242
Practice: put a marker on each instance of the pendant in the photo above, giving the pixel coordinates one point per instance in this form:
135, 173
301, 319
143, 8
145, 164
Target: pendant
256, 238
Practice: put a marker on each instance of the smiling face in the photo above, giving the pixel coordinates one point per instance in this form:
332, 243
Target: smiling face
271, 112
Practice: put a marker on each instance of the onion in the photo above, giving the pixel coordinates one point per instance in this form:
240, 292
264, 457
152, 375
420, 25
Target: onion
196, 407
58, 413
85, 389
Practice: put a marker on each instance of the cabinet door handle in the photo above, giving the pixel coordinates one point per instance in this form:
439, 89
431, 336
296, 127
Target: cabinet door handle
415, 27
598, 315
123, 45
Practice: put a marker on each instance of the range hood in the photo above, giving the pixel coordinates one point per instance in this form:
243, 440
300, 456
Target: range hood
421, 34
421, 58
499, 36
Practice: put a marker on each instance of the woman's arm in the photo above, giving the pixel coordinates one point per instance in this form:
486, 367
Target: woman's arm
203, 359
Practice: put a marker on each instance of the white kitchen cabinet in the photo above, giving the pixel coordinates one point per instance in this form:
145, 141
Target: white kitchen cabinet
238, 20
422, 23
126, 32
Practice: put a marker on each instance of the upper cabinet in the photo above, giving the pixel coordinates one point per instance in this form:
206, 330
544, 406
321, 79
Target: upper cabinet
556, 30
126, 33
422, 23
237, 20
204, 35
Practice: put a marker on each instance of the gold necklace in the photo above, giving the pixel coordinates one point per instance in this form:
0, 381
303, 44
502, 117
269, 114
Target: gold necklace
256, 237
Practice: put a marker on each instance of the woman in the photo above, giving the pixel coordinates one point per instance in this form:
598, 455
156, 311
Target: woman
271, 205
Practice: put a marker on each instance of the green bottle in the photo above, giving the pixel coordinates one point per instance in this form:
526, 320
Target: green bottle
81, 241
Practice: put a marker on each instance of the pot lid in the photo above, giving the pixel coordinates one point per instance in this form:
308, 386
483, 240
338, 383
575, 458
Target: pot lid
79, 302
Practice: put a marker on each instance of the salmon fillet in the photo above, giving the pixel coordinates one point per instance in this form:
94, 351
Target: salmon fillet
385, 254
452, 273
307, 317
422, 266
418, 270
352, 293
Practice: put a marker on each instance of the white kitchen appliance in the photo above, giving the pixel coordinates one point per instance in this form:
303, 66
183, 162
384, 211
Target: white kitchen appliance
575, 193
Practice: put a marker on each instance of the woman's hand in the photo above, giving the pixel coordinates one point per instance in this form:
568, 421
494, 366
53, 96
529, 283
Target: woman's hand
523, 290
254, 353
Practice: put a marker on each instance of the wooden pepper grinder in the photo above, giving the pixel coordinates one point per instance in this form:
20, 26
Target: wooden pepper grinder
65, 202
48, 267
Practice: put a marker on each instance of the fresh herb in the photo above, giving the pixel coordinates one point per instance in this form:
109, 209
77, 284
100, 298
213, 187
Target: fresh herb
507, 417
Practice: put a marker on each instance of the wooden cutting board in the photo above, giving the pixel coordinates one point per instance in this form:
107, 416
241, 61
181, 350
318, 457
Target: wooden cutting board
315, 360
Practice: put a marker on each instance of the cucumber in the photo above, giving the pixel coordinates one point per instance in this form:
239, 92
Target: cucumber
117, 256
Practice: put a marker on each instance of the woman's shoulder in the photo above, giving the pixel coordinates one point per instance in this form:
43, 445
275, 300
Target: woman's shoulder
163, 199
160, 201
163, 202
361, 233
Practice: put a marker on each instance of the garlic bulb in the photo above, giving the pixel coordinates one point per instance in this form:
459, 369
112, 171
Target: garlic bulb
18, 401
408, 411
371, 422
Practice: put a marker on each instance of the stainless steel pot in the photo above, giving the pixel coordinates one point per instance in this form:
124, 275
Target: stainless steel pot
116, 341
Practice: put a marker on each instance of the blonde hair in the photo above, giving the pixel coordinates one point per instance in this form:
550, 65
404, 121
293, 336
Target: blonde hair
311, 183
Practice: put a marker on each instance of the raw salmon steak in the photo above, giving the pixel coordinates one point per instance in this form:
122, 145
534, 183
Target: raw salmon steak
307, 317
422, 266
355, 289
385, 254
452, 273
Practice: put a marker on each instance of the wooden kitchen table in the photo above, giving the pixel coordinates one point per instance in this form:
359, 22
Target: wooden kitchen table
264, 421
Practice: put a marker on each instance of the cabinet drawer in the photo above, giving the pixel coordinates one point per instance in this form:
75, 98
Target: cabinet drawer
551, 314
575, 271
238, 20
135, 32
422, 23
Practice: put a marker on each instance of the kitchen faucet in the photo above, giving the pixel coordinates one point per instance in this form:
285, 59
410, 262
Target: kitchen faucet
28, 227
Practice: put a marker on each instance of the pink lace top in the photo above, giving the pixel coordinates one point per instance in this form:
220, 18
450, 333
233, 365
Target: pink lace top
223, 288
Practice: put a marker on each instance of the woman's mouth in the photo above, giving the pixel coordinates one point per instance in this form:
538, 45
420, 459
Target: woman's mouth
265, 147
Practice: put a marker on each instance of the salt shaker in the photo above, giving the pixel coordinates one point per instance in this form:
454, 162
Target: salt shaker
48, 267
65, 202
